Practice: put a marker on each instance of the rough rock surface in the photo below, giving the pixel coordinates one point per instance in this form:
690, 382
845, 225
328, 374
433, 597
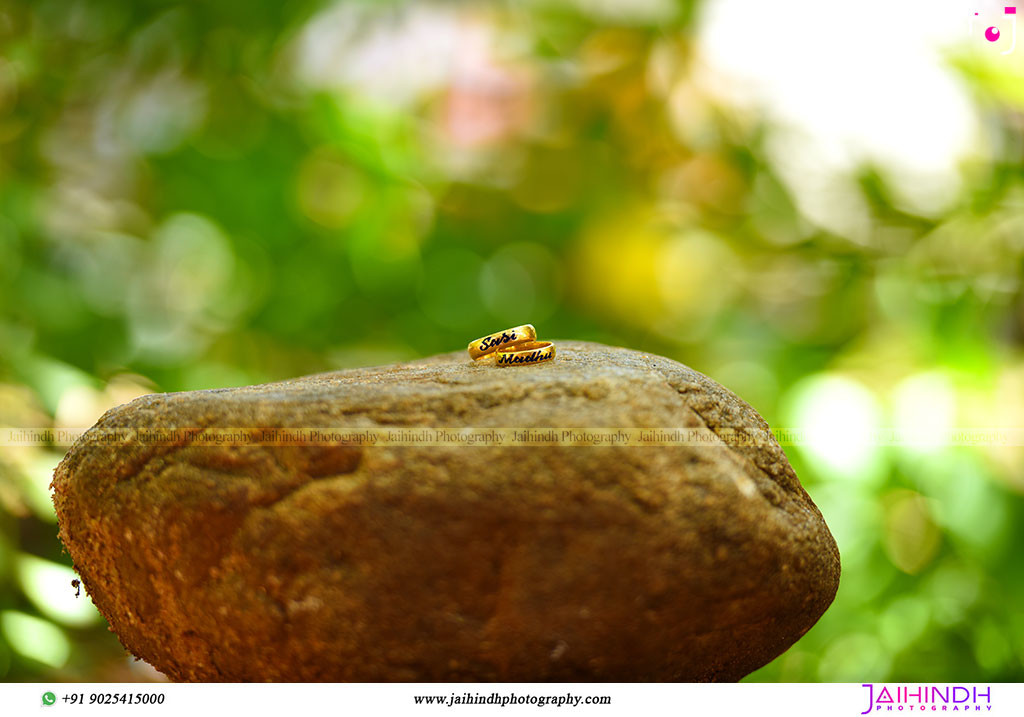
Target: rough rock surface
344, 563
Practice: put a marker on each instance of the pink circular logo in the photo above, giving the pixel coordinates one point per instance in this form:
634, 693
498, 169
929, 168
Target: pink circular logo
992, 34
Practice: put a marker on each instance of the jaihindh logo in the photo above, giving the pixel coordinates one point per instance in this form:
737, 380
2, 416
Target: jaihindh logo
928, 698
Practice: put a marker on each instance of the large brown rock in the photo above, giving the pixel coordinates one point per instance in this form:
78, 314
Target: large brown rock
622, 563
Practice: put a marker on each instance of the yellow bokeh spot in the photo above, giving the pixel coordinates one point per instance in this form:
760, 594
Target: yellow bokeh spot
329, 190
911, 538
616, 269
652, 276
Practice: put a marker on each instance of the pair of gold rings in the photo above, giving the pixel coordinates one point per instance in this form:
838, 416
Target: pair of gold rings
517, 346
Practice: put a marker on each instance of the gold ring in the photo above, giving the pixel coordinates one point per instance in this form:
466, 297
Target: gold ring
508, 337
525, 354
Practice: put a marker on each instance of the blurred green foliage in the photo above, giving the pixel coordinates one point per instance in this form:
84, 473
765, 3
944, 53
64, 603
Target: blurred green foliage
196, 195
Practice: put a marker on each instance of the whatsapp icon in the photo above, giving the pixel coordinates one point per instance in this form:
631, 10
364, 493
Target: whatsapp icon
49, 698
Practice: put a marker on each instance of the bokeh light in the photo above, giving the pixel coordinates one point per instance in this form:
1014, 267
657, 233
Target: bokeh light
838, 419
35, 638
